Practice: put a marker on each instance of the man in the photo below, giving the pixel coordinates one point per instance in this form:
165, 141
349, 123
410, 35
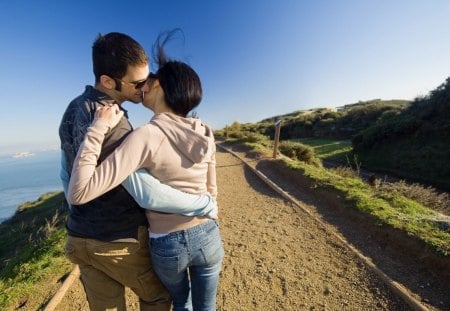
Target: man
108, 237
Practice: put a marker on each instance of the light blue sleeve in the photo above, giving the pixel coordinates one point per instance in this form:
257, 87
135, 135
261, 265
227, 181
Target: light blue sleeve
151, 194
64, 176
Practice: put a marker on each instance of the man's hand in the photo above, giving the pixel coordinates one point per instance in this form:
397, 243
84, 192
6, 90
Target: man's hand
109, 113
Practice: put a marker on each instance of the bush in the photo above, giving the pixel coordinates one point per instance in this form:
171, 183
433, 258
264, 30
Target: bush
427, 196
237, 135
251, 137
297, 151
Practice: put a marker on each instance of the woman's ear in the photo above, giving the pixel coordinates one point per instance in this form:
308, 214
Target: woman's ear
107, 82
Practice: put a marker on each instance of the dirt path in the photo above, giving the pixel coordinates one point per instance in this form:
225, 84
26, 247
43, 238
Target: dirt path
277, 257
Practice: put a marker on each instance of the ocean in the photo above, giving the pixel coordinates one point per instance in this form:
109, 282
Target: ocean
25, 176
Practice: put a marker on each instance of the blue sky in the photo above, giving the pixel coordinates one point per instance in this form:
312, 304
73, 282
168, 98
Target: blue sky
256, 58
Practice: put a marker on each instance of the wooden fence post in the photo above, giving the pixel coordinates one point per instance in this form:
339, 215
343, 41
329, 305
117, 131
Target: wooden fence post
276, 138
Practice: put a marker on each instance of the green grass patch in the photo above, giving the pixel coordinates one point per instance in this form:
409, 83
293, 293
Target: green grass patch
32, 250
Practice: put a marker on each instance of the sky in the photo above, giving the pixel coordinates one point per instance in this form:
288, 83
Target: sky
256, 58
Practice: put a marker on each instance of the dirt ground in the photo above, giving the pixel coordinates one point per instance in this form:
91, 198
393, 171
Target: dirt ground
277, 257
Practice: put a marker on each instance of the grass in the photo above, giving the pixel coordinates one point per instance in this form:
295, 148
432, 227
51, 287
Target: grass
32, 251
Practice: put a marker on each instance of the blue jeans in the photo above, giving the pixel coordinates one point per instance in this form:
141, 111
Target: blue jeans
188, 263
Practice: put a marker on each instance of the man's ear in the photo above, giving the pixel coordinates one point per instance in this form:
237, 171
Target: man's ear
107, 82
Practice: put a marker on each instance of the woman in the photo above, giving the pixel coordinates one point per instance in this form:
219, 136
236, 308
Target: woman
186, 252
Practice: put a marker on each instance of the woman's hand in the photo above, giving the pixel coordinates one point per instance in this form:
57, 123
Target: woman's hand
110, 113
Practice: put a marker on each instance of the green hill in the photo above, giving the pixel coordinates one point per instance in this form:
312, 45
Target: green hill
414, 142
408, 139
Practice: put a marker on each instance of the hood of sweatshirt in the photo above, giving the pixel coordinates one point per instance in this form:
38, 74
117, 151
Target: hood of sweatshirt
190, 136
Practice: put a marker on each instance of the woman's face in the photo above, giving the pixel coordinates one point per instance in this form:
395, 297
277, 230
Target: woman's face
151, 93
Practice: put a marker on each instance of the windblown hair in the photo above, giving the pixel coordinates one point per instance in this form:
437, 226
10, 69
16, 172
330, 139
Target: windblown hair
181, 84
114, 52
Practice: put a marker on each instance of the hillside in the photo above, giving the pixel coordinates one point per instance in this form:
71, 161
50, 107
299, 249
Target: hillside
413, 143
410, 140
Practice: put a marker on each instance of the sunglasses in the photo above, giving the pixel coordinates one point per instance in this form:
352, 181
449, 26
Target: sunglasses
137, 84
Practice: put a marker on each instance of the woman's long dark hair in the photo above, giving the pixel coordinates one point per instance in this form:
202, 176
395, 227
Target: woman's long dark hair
180, 83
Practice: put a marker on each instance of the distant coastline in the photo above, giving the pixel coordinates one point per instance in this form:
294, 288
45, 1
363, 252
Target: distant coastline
25, 176
26, 149
23, 154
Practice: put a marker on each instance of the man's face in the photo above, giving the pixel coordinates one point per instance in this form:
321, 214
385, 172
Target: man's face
130, 87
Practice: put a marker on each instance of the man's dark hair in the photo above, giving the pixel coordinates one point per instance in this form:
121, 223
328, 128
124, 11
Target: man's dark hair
113, 53
180, 83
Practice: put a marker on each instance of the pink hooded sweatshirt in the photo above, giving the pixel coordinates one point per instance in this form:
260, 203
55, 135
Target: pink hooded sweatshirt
178, 151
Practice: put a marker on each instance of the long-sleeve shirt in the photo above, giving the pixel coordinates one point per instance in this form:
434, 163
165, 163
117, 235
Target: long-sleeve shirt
178, 151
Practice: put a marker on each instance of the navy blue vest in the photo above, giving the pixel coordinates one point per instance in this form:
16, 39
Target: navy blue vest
114, 215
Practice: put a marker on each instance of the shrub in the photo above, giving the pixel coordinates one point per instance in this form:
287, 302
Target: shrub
427, 196
251, 137
298, 151
237, 135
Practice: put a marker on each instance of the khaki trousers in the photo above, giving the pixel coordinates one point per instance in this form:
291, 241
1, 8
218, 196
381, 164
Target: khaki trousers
107, 267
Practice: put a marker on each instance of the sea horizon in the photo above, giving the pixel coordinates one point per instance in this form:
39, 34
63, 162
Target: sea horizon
25, 176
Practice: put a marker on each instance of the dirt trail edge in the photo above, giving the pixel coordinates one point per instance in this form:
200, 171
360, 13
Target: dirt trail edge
278, 257
396, 287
